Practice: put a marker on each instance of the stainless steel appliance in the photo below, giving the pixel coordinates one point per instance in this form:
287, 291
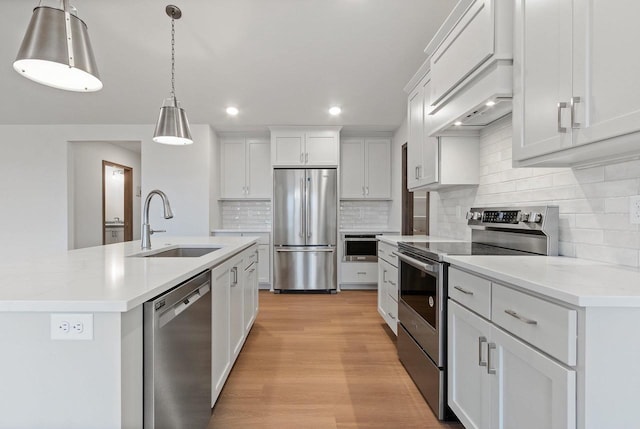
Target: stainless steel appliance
422, 306
305, 229
177, 356
360, 248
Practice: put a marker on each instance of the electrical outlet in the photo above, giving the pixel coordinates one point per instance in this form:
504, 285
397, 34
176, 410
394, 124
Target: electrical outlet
71, 326
634, 209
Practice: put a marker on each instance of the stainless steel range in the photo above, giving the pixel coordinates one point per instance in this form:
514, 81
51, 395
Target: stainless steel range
422, 331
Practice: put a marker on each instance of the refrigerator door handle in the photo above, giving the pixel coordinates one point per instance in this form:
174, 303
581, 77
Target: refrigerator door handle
302, 193
305, 249
306, 193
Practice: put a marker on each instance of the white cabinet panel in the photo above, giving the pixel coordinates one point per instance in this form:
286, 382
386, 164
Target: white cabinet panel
530, 390
245, 167
295, 146
466, 47
358, 272
469, 387
387, 298
428, 171
377, 168
264, 264
416, 135
220, 341
236, 331
365, 168
352, 168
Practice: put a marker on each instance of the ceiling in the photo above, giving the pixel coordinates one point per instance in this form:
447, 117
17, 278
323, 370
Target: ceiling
281, 62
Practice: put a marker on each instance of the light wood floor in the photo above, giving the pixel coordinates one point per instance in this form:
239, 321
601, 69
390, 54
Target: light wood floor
321, 361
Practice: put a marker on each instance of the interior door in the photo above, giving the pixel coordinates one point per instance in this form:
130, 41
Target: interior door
321, 208
288, 207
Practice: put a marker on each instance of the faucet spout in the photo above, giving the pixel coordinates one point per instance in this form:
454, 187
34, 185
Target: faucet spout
146, 228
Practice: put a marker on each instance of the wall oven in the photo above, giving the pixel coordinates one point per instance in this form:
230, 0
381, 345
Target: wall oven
422, 272
360, 248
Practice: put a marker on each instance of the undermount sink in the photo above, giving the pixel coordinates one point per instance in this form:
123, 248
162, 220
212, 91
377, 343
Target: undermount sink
179, 252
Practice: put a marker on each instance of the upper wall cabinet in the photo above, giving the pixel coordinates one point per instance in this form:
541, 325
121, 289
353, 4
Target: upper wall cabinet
303, 146
470, 63
437, 162
245, 168
365, 168
576, 92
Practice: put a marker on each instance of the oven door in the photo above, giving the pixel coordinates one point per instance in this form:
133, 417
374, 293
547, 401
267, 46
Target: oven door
421, 307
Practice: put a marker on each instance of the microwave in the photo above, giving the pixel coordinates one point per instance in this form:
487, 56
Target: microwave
360, 248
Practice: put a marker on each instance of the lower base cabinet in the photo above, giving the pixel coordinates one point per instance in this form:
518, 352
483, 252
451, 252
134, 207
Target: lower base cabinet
498, 382
234, 287
388, 293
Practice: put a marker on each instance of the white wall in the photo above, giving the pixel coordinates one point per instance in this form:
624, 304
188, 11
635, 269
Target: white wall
34, 181
400, 137
184, 174
86, 187
594, 202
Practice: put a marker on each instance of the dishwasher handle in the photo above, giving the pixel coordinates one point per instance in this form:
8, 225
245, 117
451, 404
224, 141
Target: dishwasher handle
181, 306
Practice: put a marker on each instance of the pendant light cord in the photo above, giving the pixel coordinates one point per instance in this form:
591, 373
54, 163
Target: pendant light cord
173, 59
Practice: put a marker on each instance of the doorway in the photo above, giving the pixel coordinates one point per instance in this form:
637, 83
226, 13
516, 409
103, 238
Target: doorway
415, 205
117, 203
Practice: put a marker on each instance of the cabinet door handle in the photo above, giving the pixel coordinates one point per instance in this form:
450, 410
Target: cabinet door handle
367, 191
561, 105
521, 318
361, 273
301, 157
490, 369
391, 315
574, 101
384, 276
306, 157
481, 340
363, 190
234, 271
464, 291
247, 190
417, 173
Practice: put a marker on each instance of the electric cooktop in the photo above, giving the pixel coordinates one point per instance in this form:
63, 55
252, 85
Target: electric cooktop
436, 250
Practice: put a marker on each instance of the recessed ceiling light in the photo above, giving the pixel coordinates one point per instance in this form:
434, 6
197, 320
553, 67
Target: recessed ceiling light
457, 123
490, 103
233, 111
335, 110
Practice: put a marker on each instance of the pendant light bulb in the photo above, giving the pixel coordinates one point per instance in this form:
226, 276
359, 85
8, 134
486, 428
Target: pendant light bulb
173, 126
56, 51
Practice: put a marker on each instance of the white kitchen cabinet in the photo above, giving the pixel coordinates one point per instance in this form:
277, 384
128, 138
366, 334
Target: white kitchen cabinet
437, 162
388, 285
245, 168
264, 252
365, 168
220, 341
113, 234
576, 96
236, 297
250, 289
303, 146
498, 382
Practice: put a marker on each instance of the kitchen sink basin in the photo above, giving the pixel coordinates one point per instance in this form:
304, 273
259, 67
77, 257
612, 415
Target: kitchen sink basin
180, 252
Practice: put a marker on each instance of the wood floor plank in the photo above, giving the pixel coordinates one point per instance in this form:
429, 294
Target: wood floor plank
321, 362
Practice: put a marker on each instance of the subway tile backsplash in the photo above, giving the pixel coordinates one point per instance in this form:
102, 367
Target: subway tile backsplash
364, 214
246, 214
594, 202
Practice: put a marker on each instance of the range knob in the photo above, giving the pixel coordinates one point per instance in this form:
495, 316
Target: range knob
534, 217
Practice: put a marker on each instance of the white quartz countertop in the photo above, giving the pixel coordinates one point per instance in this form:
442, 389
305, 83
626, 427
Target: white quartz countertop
574, 281
394, 239
105, 278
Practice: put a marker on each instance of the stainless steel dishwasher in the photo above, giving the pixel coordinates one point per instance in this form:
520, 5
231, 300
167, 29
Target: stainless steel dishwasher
177, 356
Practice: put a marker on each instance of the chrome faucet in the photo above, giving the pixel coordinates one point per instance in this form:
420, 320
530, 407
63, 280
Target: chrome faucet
147, 232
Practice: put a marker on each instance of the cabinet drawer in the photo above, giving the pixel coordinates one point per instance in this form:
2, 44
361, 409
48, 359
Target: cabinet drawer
385, 251
471, 291
391, 282
359, 272
550, 327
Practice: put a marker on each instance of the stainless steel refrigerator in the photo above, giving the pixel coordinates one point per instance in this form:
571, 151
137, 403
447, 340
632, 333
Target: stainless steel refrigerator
305, 229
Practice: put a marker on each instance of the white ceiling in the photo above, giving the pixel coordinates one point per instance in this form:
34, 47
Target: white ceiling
281, 62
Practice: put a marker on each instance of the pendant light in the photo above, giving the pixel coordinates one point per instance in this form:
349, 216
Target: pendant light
173, 126
56, 51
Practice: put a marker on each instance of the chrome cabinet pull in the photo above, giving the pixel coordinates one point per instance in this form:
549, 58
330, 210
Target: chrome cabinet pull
490, 369
306, 158
417, 174
574, 101
391, 315
392, 283
521, 318
367, 191
301, 157
464, 291
561, 105
363, 190
481, 340
234, 271
361, 273
384, 276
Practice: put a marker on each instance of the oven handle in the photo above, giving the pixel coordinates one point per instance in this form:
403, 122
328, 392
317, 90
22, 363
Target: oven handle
432, 268
360, 239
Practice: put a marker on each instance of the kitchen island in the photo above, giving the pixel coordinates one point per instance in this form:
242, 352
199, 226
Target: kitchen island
94, 382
